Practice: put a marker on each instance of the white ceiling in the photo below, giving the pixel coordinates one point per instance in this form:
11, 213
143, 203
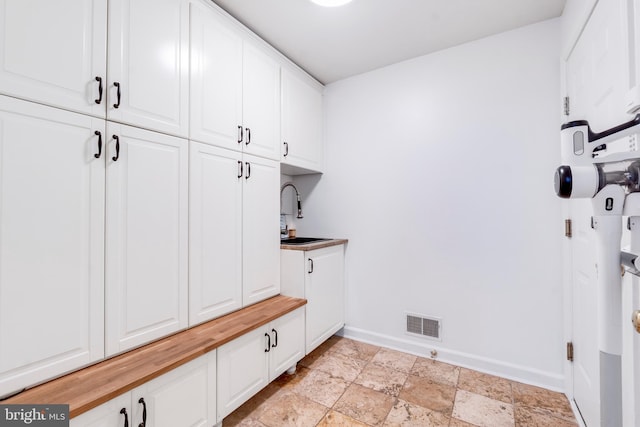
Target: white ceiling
334, 43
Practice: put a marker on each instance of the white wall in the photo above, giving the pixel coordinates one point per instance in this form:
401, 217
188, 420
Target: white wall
439, 171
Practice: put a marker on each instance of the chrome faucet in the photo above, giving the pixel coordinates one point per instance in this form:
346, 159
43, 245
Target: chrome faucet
290, 184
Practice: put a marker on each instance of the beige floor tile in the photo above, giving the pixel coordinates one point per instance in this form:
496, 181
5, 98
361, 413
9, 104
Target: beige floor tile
321, 387
365, 405
336, 419
486, 385
394, 359
339, 366
542, 401
425, 393
355, 349
381, 378
292, 410
482, 411
459, 423
405, 414
527, 417
436, 371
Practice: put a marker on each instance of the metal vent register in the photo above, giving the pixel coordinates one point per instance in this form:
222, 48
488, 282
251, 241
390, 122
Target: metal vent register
425, 326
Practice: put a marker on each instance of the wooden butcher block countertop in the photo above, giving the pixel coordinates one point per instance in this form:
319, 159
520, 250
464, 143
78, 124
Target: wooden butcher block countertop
94, 385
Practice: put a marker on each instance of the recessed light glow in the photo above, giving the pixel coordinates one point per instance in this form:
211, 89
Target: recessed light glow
331, 3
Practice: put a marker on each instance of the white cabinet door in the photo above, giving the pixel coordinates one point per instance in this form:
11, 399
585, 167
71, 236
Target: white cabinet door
301, 124
215, 230
114, 413
183, 397
216, 79
261, 103
147, 237
52, 51
324, 290
243, 370
287, 342
261, 233
148, 64
51, 242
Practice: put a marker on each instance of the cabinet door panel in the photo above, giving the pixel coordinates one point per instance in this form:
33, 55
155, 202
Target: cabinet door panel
290, 345
301, 123
51, 52
261, 103
243, 370
216, 79
215, 254
324, 289
147, 232
51, 242
106, 415
148, 57
183, 397
261, 232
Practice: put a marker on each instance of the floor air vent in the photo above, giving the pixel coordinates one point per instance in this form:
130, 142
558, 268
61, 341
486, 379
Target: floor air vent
424, 326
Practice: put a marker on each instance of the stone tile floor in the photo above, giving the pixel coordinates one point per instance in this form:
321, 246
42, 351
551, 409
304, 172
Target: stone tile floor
350, 383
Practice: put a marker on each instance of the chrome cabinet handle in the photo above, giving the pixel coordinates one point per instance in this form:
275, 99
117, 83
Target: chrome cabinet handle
99, 80
99, 153
144, 413
118, 94
117, 156
123, 411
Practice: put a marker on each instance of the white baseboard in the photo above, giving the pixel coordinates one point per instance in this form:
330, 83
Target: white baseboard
499, 368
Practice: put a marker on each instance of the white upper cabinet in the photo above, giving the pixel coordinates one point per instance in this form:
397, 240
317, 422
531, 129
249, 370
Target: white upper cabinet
54, 52
51, 242
147, 236
149, 64
235, 87
302, 149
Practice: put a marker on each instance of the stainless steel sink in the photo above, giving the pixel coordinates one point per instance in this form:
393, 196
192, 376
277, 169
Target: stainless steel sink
300, 240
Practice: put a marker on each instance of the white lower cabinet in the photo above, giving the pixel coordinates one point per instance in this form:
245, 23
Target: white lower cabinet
183, 397
51, 242
146, 238
318, 276
248, 363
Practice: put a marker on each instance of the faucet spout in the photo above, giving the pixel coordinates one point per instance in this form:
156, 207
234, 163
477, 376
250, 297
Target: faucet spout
290, 184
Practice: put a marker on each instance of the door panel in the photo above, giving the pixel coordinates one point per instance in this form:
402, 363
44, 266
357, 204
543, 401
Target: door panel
70, 34
147, 237
51, 242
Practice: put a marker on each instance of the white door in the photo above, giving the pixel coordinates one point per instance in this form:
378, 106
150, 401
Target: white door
215, 232
261, 103
183, 397
216, 79
149, 64
147, 236
243, 370
301, 123
54, 52
261, 231
116, 412
287, 342
324, 289
596, 88
51, 242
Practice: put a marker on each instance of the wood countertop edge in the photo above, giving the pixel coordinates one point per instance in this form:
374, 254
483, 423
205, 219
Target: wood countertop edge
314, 245
96, 384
